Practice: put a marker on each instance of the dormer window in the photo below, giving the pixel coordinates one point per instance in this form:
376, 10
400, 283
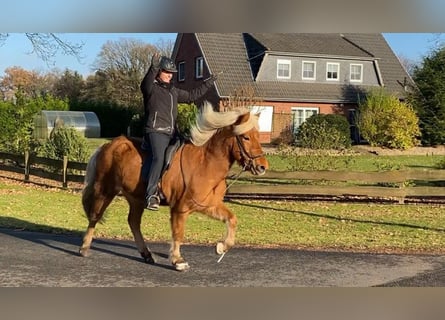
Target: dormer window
283, 69
308, 70
356, 72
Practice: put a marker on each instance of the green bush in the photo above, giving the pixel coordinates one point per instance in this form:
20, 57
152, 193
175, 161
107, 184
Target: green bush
324, 131
428, 96
186, 117
385, 121
65, 141
17, 120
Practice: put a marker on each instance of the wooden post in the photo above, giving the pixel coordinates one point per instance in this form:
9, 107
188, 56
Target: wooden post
27, 165
64, 170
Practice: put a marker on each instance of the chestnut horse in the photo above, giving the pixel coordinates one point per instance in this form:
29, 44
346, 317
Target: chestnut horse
194, 181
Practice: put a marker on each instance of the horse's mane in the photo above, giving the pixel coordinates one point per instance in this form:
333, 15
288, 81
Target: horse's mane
209, 121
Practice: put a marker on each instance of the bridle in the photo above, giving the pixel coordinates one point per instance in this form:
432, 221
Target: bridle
249, 160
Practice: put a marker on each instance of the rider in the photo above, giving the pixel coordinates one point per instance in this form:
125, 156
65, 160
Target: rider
161, 100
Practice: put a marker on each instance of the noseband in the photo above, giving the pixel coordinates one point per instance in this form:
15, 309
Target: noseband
248, 158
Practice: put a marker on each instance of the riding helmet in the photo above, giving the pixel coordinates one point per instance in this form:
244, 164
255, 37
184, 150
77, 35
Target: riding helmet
168, 65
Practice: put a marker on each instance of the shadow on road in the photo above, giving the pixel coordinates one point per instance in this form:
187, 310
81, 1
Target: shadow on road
63, 239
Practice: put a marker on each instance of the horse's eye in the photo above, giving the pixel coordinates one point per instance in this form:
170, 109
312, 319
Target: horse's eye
247, 138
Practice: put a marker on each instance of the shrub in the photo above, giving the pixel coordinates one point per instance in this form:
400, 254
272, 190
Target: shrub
324, 131
17, 121
186, 117
65, 141
385, 121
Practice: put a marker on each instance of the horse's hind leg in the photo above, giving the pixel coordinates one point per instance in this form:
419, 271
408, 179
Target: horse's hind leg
100, 203
221, 212
177, 222
134, 221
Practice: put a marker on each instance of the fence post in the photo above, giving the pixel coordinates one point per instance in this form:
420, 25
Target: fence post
27, 165
64, 171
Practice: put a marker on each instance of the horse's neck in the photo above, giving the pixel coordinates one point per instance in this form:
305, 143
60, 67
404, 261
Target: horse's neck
219, 152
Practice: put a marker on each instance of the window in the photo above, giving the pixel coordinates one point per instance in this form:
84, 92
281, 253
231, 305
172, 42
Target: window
199, 67
332, 70
283, 69
181, 71
356, 72
300, 115
308, 70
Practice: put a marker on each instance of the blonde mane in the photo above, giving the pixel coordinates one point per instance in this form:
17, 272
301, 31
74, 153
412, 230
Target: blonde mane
209, 121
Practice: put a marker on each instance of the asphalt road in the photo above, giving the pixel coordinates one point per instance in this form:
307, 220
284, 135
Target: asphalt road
33, 259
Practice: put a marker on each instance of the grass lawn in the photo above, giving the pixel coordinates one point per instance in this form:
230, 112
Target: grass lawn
296, 224
354, 162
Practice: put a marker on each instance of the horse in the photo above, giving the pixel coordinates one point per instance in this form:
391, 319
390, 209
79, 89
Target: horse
195, 180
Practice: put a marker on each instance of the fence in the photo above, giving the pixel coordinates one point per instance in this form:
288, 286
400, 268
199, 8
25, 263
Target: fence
58, 170
397, 185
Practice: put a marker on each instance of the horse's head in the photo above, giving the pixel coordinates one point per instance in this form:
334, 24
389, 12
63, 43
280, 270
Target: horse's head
241, 125
248, 151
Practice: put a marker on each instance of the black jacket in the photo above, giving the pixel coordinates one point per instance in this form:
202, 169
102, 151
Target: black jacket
161, 101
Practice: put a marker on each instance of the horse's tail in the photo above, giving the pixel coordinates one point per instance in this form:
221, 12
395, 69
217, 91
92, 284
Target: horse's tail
88, 189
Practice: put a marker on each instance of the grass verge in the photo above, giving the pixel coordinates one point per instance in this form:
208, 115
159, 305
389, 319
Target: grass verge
309, 225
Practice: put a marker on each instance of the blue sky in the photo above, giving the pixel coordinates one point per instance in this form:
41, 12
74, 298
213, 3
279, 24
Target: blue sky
15, 51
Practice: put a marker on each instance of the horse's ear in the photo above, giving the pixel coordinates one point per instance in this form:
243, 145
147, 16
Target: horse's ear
242, 118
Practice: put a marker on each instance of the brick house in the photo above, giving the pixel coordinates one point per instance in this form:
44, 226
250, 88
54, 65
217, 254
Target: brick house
291, 75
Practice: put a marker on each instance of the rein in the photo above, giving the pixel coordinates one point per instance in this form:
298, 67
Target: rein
249, 158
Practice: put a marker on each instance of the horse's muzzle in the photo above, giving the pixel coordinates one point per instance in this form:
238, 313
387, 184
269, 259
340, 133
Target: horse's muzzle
258, 170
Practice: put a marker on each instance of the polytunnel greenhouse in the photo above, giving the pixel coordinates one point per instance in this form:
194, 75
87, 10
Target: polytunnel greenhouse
85, 122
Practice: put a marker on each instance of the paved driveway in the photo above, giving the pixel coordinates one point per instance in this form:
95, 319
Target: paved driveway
30, 259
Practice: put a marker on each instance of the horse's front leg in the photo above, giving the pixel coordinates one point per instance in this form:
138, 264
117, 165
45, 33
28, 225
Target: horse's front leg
221, 212
177, 222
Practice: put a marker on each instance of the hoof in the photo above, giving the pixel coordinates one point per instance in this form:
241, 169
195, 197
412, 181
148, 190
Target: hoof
148, 258
220, 248
84, 252
182, 266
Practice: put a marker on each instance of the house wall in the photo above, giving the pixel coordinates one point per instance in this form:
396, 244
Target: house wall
268, 70
282, 124
282, 118
188, 51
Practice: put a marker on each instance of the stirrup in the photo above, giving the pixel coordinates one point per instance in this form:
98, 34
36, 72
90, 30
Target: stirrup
152, 202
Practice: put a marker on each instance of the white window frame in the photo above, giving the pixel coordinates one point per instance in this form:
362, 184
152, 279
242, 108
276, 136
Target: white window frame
303, 63
361, 72
199, 67
337, 65
294, 110
181, 71
282, 62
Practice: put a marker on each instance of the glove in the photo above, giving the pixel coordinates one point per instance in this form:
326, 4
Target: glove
156, 60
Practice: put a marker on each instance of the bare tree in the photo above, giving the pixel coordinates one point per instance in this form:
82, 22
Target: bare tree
242, 97
121, 66
47, 45
407, 63
165, 47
